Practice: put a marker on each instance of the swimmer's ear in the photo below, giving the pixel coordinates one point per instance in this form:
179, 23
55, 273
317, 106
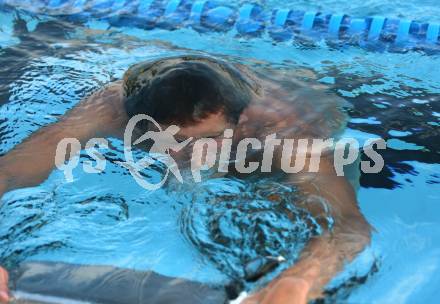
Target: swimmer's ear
173, 129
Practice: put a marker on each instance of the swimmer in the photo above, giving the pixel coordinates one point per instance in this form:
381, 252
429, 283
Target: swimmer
204, 96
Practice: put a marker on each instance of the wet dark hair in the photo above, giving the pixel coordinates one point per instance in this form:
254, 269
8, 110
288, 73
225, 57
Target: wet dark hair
184, 90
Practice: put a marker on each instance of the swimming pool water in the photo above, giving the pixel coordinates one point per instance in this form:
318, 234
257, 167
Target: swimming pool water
48, 65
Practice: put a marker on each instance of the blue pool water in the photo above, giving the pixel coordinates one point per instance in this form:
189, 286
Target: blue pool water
48, 65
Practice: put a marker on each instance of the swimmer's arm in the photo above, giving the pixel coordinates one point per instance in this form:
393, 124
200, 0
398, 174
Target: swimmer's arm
350, 234
30, 162
325, 255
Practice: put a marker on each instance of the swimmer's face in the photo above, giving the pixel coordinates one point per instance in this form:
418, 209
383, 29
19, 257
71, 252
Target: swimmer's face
213, 126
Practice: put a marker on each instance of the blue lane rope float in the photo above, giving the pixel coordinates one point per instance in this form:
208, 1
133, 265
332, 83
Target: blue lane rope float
249, 20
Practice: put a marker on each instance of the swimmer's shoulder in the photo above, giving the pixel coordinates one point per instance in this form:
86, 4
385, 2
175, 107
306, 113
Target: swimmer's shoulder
111, 93
289, 106
104, 109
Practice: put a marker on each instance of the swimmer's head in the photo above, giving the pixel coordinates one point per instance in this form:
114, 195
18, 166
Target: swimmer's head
187, 91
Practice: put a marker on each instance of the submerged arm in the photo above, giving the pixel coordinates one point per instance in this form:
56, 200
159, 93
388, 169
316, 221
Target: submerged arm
349, 235
325, 255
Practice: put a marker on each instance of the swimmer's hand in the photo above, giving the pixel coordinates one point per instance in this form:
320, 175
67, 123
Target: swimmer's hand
288, 289
4, 292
